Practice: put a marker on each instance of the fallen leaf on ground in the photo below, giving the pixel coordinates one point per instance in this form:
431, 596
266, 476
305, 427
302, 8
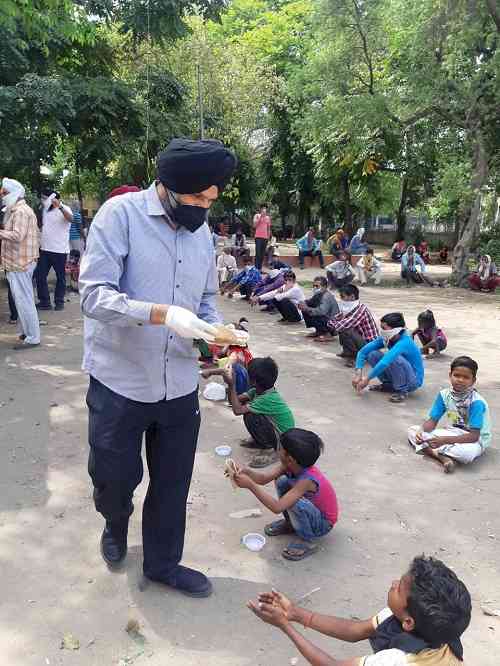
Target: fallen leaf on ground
492, 612
246, 513
70, 642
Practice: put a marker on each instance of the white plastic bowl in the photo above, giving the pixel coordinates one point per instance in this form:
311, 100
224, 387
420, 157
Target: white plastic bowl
223, 450
254, 541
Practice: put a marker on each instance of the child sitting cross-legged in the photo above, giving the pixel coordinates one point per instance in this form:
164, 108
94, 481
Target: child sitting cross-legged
428, 609
306, 498
468, 433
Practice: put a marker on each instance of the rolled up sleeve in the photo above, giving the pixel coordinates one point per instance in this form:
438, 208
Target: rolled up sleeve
101, 270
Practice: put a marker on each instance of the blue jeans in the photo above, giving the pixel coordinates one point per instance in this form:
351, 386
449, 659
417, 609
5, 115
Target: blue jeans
399, 376
306, 519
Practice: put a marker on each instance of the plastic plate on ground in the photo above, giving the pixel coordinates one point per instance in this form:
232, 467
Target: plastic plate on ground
223, 450
254, 541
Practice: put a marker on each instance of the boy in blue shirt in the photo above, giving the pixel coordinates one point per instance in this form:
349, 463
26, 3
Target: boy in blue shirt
468, 433
400, 369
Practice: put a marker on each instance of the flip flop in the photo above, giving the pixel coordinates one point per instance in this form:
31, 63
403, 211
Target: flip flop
323, 339
263, 461
252, 444
299, 551
279, 527
380, 388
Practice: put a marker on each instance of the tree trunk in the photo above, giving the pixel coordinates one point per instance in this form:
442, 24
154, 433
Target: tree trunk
78, 184
469, 231
346, 197
401, 212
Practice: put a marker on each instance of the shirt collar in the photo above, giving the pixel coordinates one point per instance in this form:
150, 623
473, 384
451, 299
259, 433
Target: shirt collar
153, 203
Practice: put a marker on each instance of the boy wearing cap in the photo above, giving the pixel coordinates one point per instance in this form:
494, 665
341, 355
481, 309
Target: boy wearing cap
147, 283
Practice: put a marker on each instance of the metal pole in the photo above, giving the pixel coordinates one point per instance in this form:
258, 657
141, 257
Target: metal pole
200, 104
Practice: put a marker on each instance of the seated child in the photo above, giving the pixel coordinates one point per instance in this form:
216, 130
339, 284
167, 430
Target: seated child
428, 609
265, 414
429, 334
306, 498
468, 434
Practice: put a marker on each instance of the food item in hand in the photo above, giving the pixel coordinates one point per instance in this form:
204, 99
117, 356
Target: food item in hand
231, 470
230, 336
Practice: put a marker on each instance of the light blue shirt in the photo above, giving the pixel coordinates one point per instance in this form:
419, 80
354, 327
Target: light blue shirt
418, 262
477, 418
404, 346
134, 259
303, 244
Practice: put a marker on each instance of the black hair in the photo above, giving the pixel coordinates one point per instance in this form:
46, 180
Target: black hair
247, 259
322, 280
394, 320
369, 250
303, 446
263, 372
439, 602
349, 290
465, 362
426, 319
242, 319
263, 205
289, 274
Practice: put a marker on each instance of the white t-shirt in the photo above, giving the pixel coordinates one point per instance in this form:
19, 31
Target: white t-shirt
55, 231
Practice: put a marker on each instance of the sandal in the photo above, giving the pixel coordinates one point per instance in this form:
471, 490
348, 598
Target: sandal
299, 551
279, 527
263, 461
252, 444
380, 388
323, 338
398, 397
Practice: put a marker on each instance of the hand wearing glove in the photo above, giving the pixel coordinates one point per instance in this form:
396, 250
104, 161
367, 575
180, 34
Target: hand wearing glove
188, 325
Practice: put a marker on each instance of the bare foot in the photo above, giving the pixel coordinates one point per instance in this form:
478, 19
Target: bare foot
448, 466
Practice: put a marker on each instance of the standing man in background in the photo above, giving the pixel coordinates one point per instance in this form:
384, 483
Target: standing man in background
76, 241
147, 285
54, 249
20, 246
262, 228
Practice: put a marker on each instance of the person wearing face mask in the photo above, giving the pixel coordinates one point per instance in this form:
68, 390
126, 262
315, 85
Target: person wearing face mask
245, 281
286, 299
319, 309
20, 247
148, 282
54, 249
410, 261
354, 324
340, 272
357, 245
400, 369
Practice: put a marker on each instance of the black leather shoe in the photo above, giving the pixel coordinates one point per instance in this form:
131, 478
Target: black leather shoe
43, 306
59, 306
188, 581
114, 545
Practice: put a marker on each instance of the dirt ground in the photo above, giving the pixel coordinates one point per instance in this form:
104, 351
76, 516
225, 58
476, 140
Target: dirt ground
394, 504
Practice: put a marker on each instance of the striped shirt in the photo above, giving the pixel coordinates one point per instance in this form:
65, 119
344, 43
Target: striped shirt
134, 258
75, 228
20, 238
360, 318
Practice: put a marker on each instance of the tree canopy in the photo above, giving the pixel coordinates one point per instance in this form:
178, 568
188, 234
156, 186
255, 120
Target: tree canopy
338, 109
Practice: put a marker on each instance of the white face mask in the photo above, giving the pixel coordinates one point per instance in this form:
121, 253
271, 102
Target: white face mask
9, 200
347, 306
316, 290
390, 333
